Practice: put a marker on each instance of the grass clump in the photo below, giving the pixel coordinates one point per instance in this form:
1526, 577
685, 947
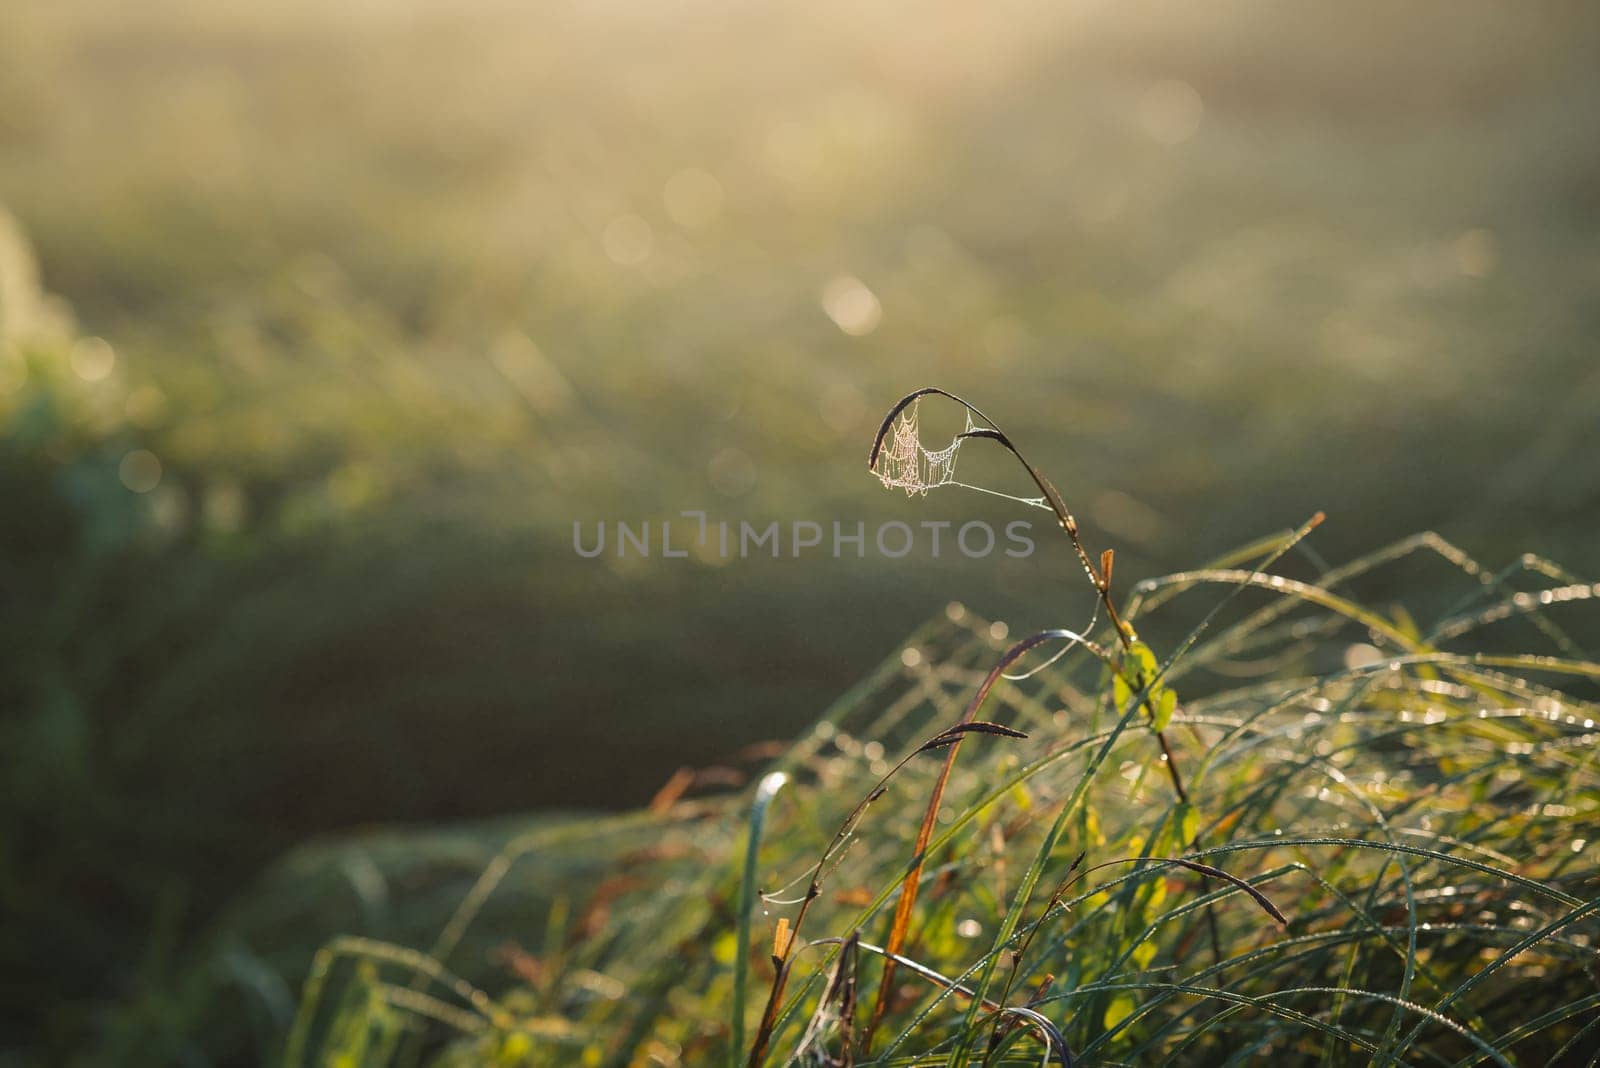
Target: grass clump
1239, 813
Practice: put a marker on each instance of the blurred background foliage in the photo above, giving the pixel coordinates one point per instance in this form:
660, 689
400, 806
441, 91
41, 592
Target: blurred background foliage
321, 324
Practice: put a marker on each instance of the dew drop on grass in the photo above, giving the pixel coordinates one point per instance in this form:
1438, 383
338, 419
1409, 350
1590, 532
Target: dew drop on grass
1361, 655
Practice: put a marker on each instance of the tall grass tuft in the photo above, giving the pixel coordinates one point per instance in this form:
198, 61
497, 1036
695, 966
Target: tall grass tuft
1239, 813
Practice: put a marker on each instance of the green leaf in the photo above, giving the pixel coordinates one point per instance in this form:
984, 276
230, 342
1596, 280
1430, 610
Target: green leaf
1138, 667
1166, 702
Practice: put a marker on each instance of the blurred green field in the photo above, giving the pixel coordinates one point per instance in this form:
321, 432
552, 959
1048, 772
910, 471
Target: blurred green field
320, 327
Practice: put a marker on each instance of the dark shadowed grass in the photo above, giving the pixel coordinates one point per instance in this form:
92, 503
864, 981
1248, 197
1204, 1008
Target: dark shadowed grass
1380, 850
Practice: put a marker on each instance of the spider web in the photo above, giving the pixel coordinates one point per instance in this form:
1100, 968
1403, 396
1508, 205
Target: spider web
906, 463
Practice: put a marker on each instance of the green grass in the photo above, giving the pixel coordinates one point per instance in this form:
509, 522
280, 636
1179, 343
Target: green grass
1379, 850
1425, 822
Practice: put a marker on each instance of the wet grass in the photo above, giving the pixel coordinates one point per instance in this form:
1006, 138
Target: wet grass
1380, 850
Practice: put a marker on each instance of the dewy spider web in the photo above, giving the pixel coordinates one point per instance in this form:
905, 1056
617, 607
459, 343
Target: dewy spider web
905, 463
